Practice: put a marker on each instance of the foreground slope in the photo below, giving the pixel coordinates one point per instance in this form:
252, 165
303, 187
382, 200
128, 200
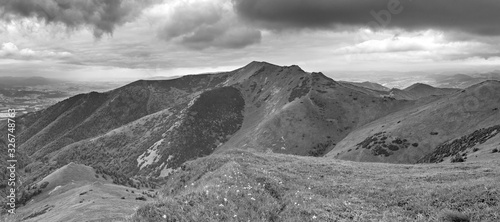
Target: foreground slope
244, 186
76, 193
408, 135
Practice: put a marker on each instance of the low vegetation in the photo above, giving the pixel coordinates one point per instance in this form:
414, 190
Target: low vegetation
461, 144
383, 144
458, 159
246, 186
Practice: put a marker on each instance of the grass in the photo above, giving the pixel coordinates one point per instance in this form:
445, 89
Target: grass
246, 186
82, 201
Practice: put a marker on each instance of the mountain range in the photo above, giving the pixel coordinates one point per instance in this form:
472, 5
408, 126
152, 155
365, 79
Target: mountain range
144, 133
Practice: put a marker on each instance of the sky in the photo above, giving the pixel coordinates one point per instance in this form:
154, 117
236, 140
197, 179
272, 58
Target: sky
132, 39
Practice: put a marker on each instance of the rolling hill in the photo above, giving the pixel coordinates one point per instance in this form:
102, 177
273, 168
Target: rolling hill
408, 135
418, 91
239, 185
76, 192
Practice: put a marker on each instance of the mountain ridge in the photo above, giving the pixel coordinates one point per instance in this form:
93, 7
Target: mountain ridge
148, 129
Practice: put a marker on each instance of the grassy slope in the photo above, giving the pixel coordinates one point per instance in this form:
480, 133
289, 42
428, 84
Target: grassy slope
88, 128
76, 192
244, 186
82, 202
450, 117
294, 112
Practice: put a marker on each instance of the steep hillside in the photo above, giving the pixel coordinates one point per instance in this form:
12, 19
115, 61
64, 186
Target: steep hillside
108, 131
467, 144
291, 111
245, 186
21, 158
408, 135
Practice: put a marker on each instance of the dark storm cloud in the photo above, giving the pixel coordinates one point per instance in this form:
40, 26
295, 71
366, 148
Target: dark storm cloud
479, 17
205, 24
102, 16
219, 37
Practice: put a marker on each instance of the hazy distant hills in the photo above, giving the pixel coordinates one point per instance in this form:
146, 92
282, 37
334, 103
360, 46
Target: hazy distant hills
11, 81
368, 85
419, 91
463, 80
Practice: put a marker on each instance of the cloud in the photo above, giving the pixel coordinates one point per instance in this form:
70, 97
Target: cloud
417, 46
10, 50
102, 16
395, 44
205, 24
478, 17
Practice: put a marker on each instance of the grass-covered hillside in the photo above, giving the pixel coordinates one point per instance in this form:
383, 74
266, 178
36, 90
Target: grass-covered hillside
245, 186
411, 134
75, 193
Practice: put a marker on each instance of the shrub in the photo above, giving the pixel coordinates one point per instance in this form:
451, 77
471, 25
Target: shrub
397, 141
457, 159
453, 216
393, 147
44, 184
475, 149
495, 150
415, 144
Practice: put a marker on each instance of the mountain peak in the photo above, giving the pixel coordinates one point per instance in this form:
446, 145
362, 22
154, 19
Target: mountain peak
296, 67
259, 64
418, 86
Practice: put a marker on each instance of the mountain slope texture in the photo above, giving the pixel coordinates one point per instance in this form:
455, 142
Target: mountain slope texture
144, 135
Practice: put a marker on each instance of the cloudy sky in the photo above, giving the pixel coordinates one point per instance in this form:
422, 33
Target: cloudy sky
116, 39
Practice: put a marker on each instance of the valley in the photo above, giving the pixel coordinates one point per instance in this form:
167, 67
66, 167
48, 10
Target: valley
36, 93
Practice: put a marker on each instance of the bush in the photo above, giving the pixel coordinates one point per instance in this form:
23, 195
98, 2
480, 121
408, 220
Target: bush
44, 184
393, 147
495, 150
457, 159
475, 149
